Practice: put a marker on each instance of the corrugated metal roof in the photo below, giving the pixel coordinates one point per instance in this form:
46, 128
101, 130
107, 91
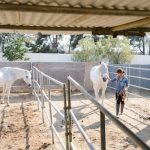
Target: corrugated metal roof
111, 4
71, 20
75, 14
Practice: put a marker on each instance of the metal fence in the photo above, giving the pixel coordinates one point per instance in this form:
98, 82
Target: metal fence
139, 75
42, 83
103, 112
42, 86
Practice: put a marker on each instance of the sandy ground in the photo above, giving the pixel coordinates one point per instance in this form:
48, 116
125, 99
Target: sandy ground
21, 125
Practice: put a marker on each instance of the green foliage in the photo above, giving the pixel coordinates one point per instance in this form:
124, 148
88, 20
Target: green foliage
88, 51
46, 43
117, 50
15, 48
74, 40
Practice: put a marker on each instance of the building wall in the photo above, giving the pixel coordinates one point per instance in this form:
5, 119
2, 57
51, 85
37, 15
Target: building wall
57, 70
79, 71
45, 57
60, 71
141, 59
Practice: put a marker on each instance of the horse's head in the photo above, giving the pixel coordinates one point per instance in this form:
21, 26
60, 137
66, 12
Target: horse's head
27, 78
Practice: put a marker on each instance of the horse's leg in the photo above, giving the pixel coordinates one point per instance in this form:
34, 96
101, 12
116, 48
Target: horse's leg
103, 92
8, 94
3, 94
96, 91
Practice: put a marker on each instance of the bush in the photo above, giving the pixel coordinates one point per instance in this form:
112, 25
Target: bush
15, 49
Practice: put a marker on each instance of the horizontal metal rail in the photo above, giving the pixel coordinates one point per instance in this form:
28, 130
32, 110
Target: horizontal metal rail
88, 141
118, 123
38, 85
131, 93
119, 66
139, 87
38, 98
47, 116
48, 77
55, 131
44, 94
133, 76
46, 97
72, 146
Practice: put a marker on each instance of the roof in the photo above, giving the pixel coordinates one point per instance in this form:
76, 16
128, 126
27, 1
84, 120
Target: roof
81, 16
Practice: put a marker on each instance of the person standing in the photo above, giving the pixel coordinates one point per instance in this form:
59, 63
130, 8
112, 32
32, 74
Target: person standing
121, 88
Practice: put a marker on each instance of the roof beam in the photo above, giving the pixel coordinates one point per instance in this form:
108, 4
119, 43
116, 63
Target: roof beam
22, 27
108, 31
73, 10
133, 24
98, 30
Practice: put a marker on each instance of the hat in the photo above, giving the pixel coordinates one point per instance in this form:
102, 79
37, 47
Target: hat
119, 70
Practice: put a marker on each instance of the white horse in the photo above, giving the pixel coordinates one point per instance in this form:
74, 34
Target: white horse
8, 75
99, 76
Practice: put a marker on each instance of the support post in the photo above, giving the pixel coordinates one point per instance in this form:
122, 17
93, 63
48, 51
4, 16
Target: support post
103, 136
42, 97
50, 111
66, 118
69, 115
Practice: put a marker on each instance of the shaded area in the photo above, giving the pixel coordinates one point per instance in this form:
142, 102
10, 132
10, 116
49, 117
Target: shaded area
26, 128
2, 121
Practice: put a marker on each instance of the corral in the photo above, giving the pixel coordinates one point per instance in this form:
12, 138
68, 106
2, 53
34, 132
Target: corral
100, 17
21, 124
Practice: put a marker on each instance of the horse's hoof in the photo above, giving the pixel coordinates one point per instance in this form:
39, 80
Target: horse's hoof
8, 105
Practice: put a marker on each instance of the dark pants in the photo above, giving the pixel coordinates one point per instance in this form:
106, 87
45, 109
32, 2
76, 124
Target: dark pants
119, 99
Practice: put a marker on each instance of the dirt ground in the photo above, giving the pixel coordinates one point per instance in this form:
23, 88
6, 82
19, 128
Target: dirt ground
21, 126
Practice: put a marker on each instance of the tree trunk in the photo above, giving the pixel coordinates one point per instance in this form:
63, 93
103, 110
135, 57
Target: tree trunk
143, 45
149, 47
69, 45
55, 43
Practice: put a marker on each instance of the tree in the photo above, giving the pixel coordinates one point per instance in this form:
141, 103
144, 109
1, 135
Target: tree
4, 38
117, 50
141, 45
74, 40
87, 50
15, 48
46, 43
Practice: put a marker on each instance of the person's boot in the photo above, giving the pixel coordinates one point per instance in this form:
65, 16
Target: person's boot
117, 109
122, 106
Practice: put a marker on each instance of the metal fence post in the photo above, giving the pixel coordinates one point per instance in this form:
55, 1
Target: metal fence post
42, 97
45, 95
103, 136
43, 107
66, 118
50, 110
35, 79
69, 115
